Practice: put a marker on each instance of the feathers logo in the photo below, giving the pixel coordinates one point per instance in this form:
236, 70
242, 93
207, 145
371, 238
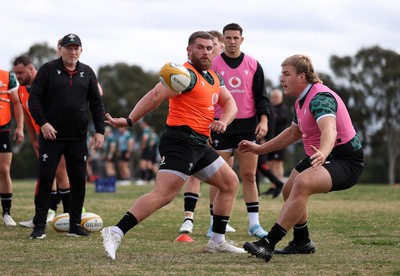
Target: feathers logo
71, 37
44, 157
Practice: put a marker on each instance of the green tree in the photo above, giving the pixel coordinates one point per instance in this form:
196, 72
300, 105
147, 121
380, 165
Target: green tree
124, 85
372, 80
41, 53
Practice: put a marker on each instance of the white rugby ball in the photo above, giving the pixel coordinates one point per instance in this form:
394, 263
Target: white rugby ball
61, 223
89, 221
175, 76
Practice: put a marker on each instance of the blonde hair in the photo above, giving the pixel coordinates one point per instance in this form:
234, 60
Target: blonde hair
302, 64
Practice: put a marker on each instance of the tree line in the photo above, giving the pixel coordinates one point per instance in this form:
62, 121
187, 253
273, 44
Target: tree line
368, 82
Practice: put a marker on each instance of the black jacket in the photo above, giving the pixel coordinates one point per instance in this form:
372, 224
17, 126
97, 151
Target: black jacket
63, 99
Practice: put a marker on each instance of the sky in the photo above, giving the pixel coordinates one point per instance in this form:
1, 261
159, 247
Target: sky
149, 33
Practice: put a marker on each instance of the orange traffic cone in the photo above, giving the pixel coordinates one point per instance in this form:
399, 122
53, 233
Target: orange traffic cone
184, 238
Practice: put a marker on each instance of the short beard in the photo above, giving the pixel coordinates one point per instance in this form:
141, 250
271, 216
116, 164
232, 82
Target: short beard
201, 64
26, 82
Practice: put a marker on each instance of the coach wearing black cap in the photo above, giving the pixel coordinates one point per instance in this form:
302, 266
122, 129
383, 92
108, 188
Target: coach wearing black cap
63, 92
71, 39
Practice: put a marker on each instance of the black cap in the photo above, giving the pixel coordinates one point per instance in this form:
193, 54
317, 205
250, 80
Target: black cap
71, 39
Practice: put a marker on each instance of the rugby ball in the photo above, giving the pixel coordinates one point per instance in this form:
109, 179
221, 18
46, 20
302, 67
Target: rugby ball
61, 223
89, 221
175, 76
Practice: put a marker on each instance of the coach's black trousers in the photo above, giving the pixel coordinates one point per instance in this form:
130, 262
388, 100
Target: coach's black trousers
75, 154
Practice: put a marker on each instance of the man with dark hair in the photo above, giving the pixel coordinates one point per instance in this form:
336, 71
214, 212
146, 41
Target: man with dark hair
244, 78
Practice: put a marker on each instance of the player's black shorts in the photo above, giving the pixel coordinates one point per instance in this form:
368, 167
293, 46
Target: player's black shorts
344, 171
123, 156
185, 152
146, 154
225, 141
5, 142
277, 155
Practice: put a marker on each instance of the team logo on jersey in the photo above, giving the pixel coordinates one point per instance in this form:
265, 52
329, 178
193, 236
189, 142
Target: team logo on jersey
162, 161
214, 99
81, 74
59, 72
71, 37
235, 82
44, 156
4, 146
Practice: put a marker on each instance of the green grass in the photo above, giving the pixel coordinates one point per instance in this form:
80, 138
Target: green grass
356, 232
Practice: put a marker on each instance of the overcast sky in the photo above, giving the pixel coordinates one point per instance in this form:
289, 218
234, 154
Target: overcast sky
150, 33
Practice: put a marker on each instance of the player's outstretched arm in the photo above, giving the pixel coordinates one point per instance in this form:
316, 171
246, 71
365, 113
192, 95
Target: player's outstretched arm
145, 105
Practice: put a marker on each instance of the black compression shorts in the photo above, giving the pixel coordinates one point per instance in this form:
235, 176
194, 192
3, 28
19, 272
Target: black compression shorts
344, 171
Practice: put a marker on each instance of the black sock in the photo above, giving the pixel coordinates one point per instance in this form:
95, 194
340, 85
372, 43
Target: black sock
190, 200
53, 200
300, 233
252, 207
149, 174
219, 224
276, 234
143, 174
6, 200
65, 198
127, 222
268, 173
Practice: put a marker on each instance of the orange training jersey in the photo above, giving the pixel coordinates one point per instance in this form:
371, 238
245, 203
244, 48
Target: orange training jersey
24, 97
195, 108
5, 110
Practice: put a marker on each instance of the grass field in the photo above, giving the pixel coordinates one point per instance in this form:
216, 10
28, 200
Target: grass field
356, 232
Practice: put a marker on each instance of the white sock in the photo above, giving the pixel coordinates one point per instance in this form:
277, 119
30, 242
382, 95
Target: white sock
117, 231
253, 219
217, 238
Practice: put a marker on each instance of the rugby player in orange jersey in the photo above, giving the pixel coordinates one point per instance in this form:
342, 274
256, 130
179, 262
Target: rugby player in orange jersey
9, 107
184, 147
